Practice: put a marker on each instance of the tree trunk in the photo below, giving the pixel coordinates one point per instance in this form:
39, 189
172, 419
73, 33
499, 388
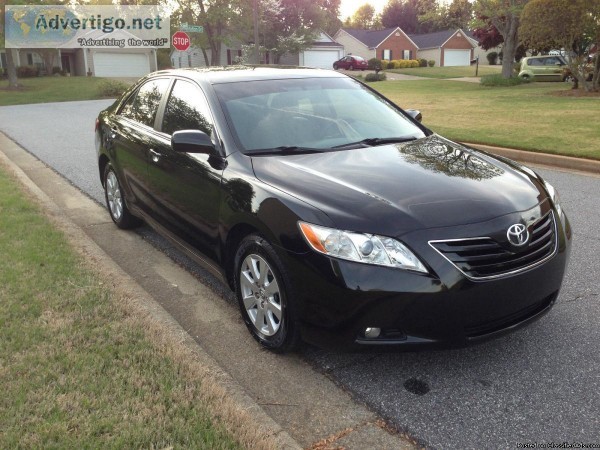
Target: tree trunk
510, 33
596, 78
206, 62
11, 70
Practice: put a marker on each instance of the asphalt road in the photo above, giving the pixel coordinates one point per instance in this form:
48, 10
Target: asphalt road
540, 384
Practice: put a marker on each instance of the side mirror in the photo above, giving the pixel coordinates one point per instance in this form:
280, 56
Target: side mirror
192, 141
415, 114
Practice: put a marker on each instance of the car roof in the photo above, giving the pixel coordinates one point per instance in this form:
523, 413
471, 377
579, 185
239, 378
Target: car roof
233, 74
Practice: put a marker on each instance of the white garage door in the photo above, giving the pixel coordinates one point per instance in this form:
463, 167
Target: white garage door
322, 59
457, 57
112, 64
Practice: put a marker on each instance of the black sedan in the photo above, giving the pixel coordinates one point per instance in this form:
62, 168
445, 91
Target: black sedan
335, 216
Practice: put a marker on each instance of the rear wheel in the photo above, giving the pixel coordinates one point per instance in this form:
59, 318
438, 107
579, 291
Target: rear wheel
115, 202
264, 297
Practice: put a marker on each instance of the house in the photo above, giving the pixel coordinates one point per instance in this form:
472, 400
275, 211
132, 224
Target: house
93, 61
388, 44
447, 48
480, 53
322, 54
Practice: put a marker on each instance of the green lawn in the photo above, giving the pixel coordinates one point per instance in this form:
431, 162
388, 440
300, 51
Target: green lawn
525, 117
50, 89
448, 72
76, 371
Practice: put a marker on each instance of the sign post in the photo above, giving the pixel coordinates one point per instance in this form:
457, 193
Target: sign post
181, 41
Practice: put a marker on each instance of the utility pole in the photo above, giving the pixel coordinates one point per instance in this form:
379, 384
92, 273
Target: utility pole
256, 43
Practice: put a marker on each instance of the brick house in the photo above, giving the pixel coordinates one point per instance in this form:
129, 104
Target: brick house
447, 48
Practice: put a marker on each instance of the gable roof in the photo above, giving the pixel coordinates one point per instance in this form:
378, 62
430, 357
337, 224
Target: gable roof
435, 40
371, 38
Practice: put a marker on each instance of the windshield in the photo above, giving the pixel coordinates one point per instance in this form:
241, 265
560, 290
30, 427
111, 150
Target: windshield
315, 113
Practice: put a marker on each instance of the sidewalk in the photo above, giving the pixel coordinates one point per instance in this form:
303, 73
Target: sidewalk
273, 401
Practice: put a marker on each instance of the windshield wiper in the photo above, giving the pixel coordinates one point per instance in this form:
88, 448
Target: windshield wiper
285, 150
370, 142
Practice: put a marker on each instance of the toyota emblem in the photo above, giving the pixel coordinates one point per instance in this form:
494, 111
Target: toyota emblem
517, 234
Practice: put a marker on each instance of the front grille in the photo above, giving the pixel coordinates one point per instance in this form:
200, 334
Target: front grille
483, 257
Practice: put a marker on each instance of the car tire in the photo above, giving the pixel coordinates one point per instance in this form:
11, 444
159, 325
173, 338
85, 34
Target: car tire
264, 296
335, 67
115, 202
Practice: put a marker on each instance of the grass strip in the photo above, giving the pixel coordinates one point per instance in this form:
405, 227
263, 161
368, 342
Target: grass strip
448, 72
533, 116
51, 89
76, 370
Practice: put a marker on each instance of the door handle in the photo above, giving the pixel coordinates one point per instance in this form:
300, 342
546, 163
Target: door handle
154, 155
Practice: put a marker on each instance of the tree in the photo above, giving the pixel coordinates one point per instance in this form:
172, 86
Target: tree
573, 25
505, 16
457, 14
403, 14
364, 17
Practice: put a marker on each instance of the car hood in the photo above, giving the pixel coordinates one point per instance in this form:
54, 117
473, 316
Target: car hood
399, 188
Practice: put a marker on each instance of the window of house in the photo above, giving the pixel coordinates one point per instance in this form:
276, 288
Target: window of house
406, 54
387, 54
30, 59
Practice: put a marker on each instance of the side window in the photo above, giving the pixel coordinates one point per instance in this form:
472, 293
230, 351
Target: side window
142, 106
552, 61
535, 62
186, 109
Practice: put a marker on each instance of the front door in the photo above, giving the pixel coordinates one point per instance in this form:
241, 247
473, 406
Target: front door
186, 187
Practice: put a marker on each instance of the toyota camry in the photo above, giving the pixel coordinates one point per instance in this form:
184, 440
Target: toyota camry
336, 216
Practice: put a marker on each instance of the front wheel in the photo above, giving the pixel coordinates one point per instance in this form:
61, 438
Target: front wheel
263, 292
335, 67
115, 202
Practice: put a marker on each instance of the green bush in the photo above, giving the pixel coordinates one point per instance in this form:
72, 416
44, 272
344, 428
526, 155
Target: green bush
371, 77
390, 65
431, 62
375, 63
497, 80
27, 71
1, 72
111, 88
422, 62
492, 58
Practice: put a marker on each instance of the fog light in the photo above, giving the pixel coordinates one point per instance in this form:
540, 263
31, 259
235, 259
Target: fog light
372, 333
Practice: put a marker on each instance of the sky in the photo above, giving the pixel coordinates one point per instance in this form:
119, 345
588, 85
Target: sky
347, 7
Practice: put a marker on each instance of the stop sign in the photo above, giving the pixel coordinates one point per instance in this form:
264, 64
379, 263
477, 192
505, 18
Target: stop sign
181, 41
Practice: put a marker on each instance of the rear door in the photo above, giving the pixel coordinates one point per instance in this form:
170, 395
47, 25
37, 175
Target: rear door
186, 186
132, 134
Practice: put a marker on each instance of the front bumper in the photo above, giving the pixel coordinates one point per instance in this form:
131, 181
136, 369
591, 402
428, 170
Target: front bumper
338, 300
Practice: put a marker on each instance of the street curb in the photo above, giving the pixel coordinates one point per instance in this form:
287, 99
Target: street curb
557, 161
239, 413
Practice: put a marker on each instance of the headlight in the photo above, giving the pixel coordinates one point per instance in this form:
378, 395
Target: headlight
360, 247
553, 193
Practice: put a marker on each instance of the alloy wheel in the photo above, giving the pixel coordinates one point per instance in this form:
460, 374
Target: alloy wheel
261, 295
113, 195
